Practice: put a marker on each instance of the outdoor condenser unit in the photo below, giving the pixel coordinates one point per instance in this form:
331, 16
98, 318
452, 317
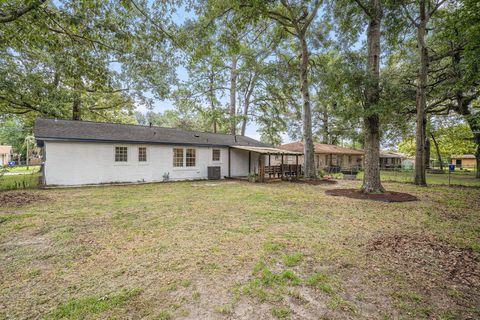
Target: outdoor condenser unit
214, 173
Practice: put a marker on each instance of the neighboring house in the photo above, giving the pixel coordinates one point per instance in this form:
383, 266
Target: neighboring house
466, 161
84, 152
391, 160
5, 155
326, 155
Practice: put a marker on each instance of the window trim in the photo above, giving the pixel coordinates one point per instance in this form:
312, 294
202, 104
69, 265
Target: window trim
219, 155
147, 156
194, 158
118, 162
174, 158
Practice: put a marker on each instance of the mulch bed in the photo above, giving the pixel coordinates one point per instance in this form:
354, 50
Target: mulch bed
389, 196
430, 258
315, 182
20, 198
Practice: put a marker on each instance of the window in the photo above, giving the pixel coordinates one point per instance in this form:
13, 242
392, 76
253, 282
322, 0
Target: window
216, 155
121, 154
177, 157
190, 157
142, 154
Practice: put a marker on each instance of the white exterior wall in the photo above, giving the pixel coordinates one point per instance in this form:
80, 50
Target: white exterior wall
80, 163
239, 163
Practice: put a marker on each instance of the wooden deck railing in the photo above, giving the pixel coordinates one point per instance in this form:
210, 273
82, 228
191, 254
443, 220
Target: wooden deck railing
286, 170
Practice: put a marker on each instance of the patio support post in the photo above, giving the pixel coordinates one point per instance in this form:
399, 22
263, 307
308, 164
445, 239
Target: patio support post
229, 164
249, 162
296, 165
281, 168
269, 167
261, 161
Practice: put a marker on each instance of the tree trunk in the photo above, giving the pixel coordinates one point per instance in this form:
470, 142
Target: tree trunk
246, 105
212, 101
77, 108
326, 133
437, 148
475, 127
477, 157
421, 98
427, 153
233, 96
371, 180
308, 148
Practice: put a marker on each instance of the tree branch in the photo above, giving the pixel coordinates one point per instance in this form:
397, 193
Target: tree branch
15, 14
407, 14
436, 7
364, 8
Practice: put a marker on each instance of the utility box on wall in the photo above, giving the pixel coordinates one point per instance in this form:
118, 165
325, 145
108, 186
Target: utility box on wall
214, 173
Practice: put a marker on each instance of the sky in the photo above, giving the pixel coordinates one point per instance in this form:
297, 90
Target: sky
179, 17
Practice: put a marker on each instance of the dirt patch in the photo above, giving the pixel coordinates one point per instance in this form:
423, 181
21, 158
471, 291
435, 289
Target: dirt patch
436, 260
315, 182
21, 198
389, 196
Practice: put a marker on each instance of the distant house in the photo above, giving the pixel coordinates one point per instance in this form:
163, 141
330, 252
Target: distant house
327, 155
5, 155
84, 152
466, 161
391, 160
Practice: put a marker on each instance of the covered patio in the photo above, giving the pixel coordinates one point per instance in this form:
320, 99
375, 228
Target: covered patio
263, 167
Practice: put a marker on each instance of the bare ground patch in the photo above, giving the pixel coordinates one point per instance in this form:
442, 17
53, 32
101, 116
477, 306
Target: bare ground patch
315, 182
444, 276
21, 198
424, 253
389, 196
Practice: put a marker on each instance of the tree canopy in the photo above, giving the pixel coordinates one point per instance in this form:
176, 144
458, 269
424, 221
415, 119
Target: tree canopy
341, 72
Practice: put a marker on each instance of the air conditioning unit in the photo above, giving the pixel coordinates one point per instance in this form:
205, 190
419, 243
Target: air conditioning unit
214, 173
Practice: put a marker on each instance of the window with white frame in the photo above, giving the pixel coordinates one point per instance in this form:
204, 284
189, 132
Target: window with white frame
121, 154
216, 155
142, 154
177, 157
191, 157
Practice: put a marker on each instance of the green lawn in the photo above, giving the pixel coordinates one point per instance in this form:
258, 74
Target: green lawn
460, 178
234, 250
20, 181
29, 169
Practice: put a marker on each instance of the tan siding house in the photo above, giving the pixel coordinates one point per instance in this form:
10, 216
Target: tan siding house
390, 160
326, 155
5, 155
464, 161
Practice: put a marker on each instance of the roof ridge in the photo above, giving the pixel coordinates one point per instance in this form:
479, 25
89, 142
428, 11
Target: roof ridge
141, 126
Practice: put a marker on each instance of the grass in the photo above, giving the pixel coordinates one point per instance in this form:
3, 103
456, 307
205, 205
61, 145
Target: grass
231, 250
88, 306
291, 260
21, 181
24, 169
460, 178
281, 313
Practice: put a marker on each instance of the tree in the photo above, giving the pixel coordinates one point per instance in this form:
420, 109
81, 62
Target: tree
12, 11
71, 59
451, 138
425, 10
296, 19
371, 181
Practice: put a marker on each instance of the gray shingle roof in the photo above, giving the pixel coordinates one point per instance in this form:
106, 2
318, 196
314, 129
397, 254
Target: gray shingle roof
68, 130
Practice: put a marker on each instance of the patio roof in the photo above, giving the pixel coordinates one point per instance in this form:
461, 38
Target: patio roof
321, 148
267, 150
